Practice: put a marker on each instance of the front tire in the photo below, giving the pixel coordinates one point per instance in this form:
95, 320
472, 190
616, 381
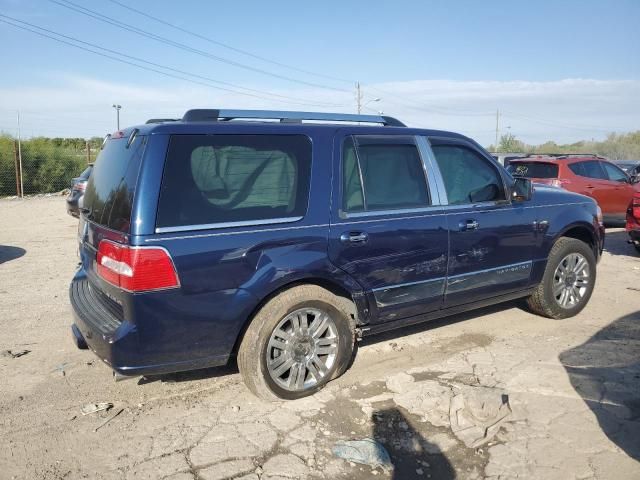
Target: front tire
568, 281
296, 343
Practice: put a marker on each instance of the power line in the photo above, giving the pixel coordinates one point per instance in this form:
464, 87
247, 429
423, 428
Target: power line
30, 27
227, 46
138, 31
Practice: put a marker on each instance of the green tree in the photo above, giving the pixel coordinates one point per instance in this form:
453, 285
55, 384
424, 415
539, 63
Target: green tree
509, 143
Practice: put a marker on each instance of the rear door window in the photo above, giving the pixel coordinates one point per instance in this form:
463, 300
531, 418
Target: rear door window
533, 169
589, 169
381, 172
108, 198
214, 179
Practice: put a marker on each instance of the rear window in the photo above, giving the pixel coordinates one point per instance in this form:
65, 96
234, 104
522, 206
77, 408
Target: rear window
533, 169
212, 179
109, 194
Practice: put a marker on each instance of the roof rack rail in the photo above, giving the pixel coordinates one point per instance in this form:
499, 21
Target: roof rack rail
162, 120
214, 115
564, 155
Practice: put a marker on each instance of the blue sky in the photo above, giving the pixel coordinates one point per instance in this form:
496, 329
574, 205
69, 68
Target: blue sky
560, 70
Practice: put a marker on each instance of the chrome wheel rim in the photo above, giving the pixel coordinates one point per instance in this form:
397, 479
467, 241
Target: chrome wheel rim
571, 280
302, 349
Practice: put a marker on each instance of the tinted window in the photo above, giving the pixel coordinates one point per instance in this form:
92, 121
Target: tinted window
109, 194
614, 173
589, 169
391, 170
234, 178
533, 169
468, 177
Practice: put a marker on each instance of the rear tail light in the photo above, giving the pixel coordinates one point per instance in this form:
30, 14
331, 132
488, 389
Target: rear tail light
80, 186
136, 269
635, 206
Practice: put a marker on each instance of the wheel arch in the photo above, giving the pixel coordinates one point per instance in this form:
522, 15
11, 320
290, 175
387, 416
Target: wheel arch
347, 291
580, 231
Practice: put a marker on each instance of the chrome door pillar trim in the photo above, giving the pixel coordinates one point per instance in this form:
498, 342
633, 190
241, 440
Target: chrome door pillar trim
432, 171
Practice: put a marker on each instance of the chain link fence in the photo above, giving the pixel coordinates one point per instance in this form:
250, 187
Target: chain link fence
43, 165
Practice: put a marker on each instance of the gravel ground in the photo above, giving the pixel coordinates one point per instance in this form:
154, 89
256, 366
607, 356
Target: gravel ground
498, 393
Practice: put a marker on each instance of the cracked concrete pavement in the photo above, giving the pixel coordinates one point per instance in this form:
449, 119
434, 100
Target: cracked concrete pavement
497, 393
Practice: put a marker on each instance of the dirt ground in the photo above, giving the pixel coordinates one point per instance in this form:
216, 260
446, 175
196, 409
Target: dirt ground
498, 393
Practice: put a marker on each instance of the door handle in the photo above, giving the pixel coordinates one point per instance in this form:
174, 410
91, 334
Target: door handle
590, 186
354, 237
468, 225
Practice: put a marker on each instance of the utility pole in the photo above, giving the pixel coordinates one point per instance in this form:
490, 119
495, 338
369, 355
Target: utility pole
88, 153
358, 97
20, 157
497, 128
117, 107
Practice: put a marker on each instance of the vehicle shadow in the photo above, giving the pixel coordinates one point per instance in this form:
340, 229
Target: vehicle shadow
605, 371
8, 253
615, 242
439, 322
412, 455
192, 375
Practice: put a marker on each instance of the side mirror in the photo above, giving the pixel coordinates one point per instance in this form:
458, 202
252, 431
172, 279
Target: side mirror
634, 179
522, 189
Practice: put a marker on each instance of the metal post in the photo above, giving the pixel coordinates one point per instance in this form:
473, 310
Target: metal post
117, 107
88, 153
358, 97
17, 167
20, 157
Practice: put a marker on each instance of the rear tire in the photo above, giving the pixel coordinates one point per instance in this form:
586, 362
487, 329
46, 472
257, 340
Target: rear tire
296, 343
568, 281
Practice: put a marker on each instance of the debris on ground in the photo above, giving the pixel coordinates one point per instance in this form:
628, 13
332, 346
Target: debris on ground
476, 414
60, 368
15, 353
90, 408
366, 452
108, 420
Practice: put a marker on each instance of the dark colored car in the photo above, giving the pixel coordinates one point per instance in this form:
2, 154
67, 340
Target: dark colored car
282, 242
78, 186
633, 221
630, 167
587, 174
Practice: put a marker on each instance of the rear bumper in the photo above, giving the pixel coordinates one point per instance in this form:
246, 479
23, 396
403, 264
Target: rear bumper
116, 341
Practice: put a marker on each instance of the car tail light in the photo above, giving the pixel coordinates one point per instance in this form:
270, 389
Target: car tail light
136, 269
635, 206
80, 186
599, 216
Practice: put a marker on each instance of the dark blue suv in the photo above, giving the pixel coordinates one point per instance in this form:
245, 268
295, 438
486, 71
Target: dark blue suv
282, 237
